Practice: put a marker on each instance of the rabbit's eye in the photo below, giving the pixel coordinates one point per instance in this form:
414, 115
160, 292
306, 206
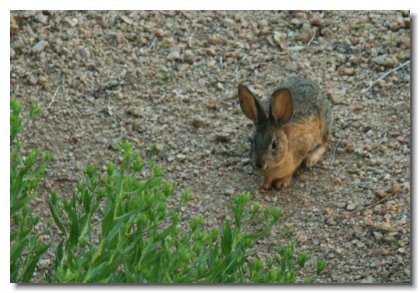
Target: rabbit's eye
274, 145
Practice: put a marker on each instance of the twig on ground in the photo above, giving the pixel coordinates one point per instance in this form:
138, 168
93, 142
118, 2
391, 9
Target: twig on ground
221, 63
372, 205
310, 41
341, 169
383, 137
385, 75
55, 93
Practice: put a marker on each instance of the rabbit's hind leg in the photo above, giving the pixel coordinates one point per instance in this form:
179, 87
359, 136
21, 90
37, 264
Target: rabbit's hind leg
315, 155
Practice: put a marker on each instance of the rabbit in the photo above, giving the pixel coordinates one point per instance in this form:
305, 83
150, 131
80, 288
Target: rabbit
295, 129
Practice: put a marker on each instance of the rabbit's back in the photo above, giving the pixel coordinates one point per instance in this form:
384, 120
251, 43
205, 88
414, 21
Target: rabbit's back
308, 100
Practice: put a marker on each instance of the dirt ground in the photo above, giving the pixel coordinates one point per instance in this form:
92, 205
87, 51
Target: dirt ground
167, 83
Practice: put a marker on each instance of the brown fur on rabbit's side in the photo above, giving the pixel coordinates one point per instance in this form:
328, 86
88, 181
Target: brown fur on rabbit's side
294, 129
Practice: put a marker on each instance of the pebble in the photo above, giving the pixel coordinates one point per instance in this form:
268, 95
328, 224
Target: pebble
33, 79
406, 186
319, 22
280, 39
357, 108
180, 157
381, 193
126, 19
384, 227
396, 188
228, 22
220, 86
17, 43
385, 60
84, 52
173, 56
378, 235
71, 21
229, 191
350, 206
223, 137
347, 71
38, 47
189, 56
42, 18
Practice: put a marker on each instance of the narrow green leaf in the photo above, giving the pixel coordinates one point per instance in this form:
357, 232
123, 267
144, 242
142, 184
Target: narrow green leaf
55, 213
320, 266
226, 241
29, 270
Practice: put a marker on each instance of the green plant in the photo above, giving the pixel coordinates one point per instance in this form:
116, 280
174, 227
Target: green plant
119, 229
25, 175
166, 75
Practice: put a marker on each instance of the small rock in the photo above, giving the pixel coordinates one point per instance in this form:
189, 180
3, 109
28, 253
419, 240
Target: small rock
302, 239
180, 157
381, 193
296, 21
338, 181
199, 122
396, 188
189, 56
41, 18
222, 137
71, 21
336, 99
85, 52
384, 227
347, 71
280, 39
350, 206
378, 235
341, 205
173, 56
228, 22
319, 22
385, 60
38, 47
245, 161
229, 191
33, 79
17, 43
327, 211
126, 19
219, 86
357, 108
170, 158
43, 80
406, 186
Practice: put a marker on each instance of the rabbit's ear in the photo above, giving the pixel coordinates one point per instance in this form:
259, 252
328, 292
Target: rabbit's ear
250, 105
281, 108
